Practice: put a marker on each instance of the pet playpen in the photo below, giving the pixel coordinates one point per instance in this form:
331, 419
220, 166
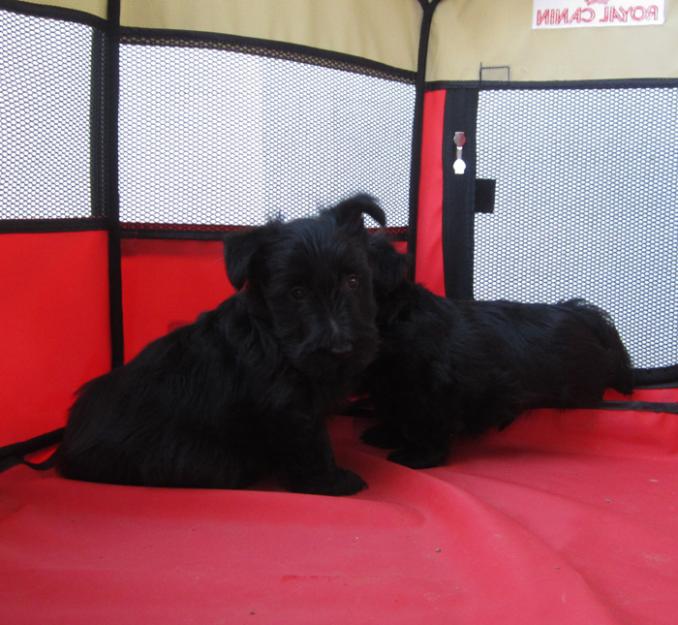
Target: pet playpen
134, 133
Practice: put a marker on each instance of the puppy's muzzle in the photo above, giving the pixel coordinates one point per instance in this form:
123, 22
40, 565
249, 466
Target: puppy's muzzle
340, 343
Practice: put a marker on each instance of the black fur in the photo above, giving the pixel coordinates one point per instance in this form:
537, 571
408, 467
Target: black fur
242, 393
447, 368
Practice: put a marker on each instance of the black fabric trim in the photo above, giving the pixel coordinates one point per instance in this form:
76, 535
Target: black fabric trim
51, 12
115, 295
41, 466
8, 463
264, 47
363, 407
11, 455
32, 444
189, 233
11, 461
485, 194
459, 193
111, 91
212, 233
636, 406
428, 9
27, 226
612, 83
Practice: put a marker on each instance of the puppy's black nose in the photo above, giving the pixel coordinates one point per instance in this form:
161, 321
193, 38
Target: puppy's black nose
342, 349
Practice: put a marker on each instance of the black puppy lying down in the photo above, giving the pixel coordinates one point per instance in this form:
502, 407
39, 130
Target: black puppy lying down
448, 368
243, 392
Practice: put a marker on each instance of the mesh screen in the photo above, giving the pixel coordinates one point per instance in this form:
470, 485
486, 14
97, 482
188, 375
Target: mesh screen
586, 205
44, 117
227, 137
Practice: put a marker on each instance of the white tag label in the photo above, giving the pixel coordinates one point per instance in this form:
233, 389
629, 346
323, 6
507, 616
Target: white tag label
596, 13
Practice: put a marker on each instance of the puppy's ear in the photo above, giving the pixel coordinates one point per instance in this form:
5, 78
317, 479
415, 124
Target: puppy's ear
240, 249
389, 267
349, 213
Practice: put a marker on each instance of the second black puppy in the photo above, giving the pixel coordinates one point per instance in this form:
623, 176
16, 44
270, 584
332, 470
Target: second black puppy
448, 368
244, 391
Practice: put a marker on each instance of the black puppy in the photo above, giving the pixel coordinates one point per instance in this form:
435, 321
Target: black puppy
243, 392
447, 368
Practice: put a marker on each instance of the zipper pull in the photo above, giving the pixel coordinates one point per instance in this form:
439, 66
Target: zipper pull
459, 165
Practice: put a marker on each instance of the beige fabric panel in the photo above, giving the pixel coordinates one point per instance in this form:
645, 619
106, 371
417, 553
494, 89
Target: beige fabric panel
381, 30
95, 7
466, 33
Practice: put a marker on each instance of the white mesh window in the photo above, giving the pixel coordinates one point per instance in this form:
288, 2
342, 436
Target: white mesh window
45, 69
222, 137
586, 206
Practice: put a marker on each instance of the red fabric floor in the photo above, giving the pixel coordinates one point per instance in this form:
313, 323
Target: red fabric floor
564, 518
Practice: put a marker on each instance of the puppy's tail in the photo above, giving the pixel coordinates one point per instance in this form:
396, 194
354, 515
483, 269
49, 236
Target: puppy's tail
620, 370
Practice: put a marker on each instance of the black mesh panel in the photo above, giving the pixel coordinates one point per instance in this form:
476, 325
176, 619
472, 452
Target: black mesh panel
586, 206
217, 136
45, 68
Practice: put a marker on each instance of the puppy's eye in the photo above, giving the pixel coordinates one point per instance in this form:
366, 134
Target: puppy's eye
298, 292
352, 281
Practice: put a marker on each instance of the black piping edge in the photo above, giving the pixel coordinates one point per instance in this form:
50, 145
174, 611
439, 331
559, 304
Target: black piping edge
461, 114
186, 233
51, 12
141, 231
633, 406
11, 455
189, 38
213, 233
610, 83
428, 9
27, 226
111, 85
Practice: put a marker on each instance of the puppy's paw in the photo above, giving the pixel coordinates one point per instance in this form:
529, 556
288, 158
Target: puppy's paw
418, 458
340, 482
347, 483
382, 436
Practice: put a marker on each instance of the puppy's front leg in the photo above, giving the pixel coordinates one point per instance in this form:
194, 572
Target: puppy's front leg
306, 460
427, 439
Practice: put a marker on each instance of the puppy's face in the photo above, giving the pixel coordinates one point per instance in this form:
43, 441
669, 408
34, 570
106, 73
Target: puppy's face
312, 279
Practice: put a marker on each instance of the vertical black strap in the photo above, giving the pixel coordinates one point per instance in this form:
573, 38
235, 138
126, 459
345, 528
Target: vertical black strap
111, 89
461, 113
429, 8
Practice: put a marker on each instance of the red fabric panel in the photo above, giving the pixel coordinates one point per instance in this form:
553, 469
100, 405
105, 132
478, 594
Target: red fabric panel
55, 329
429, 269
166, 284
565, 518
